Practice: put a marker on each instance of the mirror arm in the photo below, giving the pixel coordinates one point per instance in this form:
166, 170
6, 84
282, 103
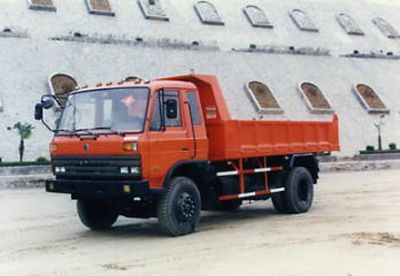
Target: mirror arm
47, 126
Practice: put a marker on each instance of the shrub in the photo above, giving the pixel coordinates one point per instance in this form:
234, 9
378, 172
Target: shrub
42, 159
369, 148
392, 146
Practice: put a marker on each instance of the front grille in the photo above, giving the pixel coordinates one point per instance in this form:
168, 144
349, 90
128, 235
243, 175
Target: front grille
96, 167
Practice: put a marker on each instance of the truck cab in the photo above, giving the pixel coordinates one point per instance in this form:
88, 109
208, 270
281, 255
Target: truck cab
128, 122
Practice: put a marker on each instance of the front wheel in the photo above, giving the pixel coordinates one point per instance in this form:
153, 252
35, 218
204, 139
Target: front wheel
179, 209
96, 214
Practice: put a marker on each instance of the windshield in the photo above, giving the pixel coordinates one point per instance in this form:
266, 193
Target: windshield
121, 109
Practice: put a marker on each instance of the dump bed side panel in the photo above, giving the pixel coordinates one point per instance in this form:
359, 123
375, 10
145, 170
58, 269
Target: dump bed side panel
241, 139
233, 139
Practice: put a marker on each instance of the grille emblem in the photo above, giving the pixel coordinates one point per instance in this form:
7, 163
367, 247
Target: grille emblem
85, 146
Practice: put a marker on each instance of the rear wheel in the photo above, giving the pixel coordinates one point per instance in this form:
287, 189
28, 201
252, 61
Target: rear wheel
96, 214
179, 209
278, 199
299, 190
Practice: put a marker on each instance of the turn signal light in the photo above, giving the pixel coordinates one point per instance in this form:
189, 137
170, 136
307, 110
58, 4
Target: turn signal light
53, 147
130, 146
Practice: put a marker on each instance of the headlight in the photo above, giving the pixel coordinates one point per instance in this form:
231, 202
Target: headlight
127, 170
134, 170
124, 170
60, 169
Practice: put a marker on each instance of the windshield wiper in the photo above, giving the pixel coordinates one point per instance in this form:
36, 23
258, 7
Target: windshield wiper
102, 128
106, 128
64, 130
68, 132
83, 129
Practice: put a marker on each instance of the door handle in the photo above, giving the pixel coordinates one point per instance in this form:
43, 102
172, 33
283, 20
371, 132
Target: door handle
184, 149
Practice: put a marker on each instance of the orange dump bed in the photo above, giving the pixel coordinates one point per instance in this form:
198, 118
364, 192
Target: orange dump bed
241, 139
233, 139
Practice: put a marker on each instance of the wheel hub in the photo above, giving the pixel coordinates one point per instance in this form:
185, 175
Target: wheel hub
185, 207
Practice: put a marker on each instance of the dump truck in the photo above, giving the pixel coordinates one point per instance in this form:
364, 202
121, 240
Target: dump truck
169, 148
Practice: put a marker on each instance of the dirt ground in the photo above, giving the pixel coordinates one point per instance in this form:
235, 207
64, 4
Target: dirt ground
353, 229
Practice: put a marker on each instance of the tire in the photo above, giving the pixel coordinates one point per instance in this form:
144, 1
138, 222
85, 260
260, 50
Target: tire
278, 199
96, 214
228, 205
179, 209
299, 190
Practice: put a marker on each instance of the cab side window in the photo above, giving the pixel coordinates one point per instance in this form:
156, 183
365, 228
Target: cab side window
160, 106
194, 107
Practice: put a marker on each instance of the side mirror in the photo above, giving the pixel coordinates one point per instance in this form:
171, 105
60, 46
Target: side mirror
39, 111
172, 109
48, 103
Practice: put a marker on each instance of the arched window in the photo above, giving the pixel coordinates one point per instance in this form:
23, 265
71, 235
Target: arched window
207, 13
348, 24
46, 5
257, 17
61, 85
152, 9
386, 28
302, 21
263, 98
369, 99
101, 7
315, 98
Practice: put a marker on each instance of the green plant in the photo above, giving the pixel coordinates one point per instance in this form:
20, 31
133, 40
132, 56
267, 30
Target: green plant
42, 159
392, 146
24, 131
18, 164
369, 148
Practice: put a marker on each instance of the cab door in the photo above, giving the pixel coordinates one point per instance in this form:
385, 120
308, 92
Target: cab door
168, 137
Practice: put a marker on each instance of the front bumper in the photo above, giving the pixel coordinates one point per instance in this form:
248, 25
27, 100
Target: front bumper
98, 188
